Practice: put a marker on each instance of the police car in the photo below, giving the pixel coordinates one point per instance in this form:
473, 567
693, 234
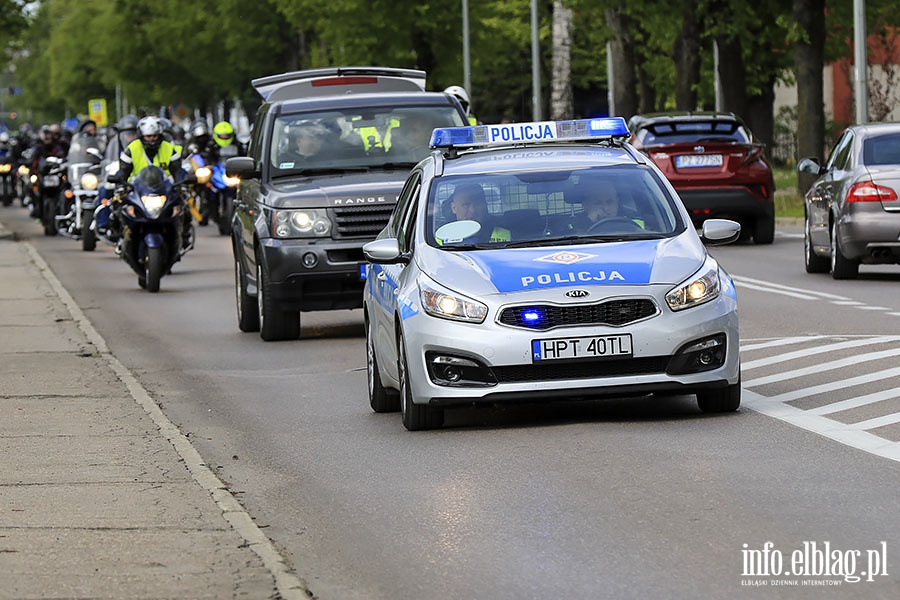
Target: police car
499, 278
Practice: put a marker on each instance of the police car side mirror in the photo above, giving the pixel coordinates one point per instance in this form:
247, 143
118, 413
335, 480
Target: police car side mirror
384, 252
241, 166
718, 232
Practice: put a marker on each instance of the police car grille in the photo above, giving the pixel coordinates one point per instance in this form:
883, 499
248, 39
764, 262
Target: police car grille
361, 221
614, 312
581, 369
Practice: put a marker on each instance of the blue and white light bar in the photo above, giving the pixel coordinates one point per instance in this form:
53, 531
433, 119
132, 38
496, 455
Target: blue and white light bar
529, 133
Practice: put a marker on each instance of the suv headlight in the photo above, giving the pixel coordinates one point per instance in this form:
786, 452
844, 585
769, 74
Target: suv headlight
301, 223
699, 289
447, 305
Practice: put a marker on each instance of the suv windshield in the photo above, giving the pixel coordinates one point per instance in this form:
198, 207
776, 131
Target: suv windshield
356, 138
693, 131
551, 207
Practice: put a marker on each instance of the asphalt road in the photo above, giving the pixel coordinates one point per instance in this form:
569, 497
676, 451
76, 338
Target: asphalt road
642, 498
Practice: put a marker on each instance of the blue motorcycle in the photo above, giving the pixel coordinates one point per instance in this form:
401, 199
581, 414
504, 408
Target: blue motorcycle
151, 213
224, 190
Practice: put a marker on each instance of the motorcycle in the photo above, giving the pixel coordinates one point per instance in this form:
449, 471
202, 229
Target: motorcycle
199, 199
224, 189
150, 210
7, 178
47, 186
80, 197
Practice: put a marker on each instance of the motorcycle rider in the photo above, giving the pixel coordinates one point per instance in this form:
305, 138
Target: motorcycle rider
460, 93
46, 146
223, 135
152, 149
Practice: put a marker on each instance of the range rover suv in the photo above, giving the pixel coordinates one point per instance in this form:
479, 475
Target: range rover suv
329, 152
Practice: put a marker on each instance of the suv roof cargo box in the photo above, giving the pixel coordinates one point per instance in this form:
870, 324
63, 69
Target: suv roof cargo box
338, 80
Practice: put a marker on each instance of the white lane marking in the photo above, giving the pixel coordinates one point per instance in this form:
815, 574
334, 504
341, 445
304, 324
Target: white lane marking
781, 342
824, 426
771, 360
847, 303
761, 288
877, 422
872, 307
836, 385
777, 286
856, 402
835, 364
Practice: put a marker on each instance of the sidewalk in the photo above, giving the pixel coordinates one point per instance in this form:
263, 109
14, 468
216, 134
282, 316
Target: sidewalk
100, 495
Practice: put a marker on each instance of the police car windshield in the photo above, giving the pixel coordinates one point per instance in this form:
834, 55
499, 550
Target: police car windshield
543, 208
307, 143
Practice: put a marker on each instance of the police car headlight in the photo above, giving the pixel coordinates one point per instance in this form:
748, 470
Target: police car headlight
701, 288
446, 305
301, 223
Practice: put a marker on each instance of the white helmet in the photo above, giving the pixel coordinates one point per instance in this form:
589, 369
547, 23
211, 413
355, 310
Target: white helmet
461, 94
150, 126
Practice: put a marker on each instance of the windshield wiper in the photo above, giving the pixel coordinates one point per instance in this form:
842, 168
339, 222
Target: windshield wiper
397, 165
458, 247
321, 171
581, 239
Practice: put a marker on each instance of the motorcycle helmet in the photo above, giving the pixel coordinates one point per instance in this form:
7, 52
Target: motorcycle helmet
151, 129
200, 133
223, 133
460, 94
45, 134
4, 138
127, 123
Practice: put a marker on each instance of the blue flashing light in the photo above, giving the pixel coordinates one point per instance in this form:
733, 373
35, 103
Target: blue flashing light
531, 316
529, 133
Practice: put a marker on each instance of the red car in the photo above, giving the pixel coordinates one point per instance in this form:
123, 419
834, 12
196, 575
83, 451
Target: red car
716, 166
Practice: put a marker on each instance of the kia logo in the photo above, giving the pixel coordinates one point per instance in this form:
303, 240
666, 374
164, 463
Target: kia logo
577, 294
699, 149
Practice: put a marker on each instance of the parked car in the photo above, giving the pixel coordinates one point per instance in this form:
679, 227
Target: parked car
329, 153
852, 211
718, 168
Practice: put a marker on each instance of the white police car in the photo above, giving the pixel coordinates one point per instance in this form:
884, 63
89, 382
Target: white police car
542, 261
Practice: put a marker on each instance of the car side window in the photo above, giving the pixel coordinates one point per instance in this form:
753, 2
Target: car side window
408, 216
840, 157
403, 201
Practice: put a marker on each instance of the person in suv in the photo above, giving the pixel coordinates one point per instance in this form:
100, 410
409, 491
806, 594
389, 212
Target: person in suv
302, 217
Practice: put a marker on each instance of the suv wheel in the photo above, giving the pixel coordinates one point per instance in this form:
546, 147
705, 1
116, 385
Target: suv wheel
247, 312
274, 324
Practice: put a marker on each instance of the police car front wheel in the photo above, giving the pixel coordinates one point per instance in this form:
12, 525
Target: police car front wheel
416, 417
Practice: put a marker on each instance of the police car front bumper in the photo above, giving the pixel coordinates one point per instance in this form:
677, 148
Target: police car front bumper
461, 363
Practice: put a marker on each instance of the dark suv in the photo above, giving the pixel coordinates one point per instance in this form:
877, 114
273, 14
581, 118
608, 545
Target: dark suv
716, 166
329, 153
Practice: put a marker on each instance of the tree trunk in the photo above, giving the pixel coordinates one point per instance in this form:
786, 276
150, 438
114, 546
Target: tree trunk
624, 86
732, 74
687, 58
562, 103
809, 60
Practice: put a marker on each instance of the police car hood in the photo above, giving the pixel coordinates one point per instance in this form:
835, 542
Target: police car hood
338, 189
483, 272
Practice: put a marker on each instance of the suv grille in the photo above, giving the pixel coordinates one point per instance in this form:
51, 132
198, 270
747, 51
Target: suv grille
547, 316
361, 221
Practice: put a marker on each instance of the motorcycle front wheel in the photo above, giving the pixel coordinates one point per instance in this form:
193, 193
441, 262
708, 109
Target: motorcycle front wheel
88, 235
47, 217
154, 269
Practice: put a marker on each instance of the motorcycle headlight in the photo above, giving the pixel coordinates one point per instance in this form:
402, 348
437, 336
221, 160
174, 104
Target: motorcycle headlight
5, 168
301, 223
447, 305
232, 181
89, 181
153, 204
702, 287
33, 178
23, 171
203, 174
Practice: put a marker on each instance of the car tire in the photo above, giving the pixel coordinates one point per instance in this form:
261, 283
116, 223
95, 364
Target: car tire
416, 417
274, 325
841, 266
727, 399
381, 400
247, 311
812, 261
764, 230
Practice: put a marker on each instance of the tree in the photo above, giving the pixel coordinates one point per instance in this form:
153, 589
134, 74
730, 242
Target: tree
808, 33
561, 101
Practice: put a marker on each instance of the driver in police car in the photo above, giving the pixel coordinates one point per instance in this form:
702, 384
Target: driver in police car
602, 204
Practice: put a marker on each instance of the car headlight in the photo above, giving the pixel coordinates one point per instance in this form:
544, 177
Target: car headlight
301, 223
701, 288
89, 181
447, 305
